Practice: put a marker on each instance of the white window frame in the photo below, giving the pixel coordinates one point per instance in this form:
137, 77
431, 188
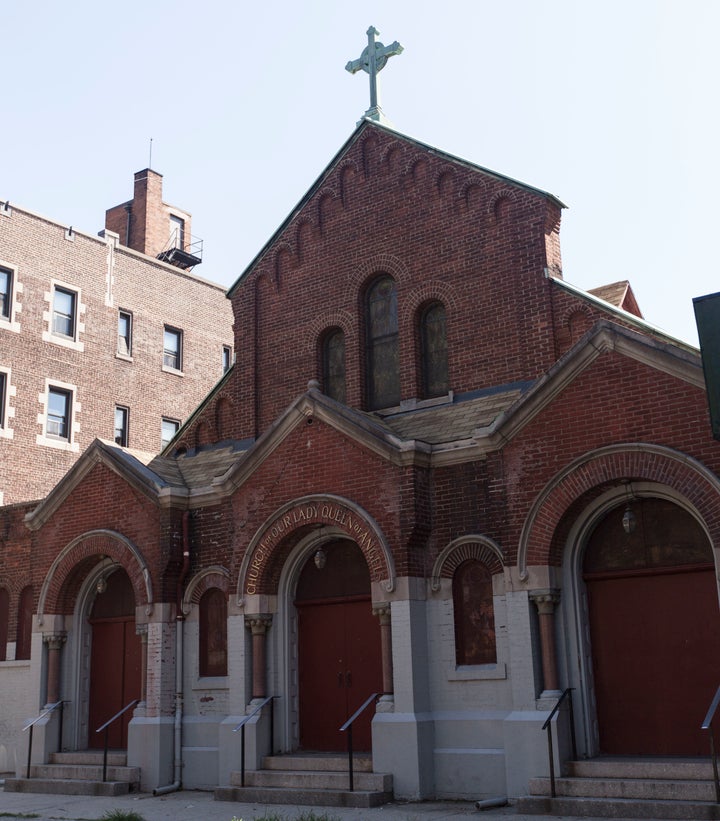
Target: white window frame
7, 412
178, 354
227, 353
49, 335
164, 443
129, 341
9, 322
73, 428
125, 410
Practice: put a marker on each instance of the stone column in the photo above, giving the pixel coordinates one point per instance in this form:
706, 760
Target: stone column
142, 631
54, 643
258, 625
382, 611
545, 601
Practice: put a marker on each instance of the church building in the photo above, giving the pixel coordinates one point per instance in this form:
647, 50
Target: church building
438, 481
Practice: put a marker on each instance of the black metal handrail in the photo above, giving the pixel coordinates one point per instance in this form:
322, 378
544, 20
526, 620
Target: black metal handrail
105, 727
707, 725
29, 726
567, 693
241, 726
348, 726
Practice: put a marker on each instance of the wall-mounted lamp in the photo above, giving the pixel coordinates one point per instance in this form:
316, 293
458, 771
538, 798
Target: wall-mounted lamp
101, 585
320, 558
629, 520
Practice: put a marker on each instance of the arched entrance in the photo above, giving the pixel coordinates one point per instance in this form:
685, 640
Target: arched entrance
654, 629
115, 660
339, 651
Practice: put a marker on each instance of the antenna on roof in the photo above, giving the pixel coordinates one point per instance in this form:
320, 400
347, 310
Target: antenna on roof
150, 162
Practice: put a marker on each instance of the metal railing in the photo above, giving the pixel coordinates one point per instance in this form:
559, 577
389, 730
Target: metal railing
105, 727
707, 725
347, 726
567, 693
241, 726
29, 726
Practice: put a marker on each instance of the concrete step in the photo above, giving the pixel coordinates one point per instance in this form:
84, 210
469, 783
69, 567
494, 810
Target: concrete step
318, 762
66, 786
642, 788
618, 808
95, 757
698, 769
85, 772
313, 780
303, 797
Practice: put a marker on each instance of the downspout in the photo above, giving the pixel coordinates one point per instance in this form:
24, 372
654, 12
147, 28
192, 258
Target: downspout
179, 645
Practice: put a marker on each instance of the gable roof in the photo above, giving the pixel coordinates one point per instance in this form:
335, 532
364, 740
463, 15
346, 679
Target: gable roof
434, 434
619, 294
363, 126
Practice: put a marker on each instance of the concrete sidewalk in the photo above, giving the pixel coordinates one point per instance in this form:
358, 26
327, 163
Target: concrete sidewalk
200, 806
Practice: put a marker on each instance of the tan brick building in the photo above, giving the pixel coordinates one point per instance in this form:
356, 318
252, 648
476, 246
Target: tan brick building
99, 337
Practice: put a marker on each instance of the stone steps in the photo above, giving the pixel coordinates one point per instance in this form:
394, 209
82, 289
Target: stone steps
627, 788
79, 773
316, 780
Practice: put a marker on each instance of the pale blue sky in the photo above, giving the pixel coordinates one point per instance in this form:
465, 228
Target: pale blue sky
610, 106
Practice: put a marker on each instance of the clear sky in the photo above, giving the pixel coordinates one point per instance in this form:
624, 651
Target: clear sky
612, 107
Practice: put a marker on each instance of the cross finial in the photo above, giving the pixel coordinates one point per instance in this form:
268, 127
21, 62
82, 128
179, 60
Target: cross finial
373, 60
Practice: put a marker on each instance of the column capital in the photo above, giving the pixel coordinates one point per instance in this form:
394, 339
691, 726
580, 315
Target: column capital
55, 641
545, 600
382, 611
142, 631
258, 623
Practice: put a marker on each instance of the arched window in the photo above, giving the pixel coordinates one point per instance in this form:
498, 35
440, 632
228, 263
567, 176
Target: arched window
433, 351
383, 360
24, 624
213, 633
4, 619
474, 615
333, 364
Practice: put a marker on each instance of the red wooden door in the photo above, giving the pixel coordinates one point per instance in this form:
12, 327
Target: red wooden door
115, 662
339, 667
656, 658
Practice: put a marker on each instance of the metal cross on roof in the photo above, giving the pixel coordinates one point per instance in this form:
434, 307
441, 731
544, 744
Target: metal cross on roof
373, 60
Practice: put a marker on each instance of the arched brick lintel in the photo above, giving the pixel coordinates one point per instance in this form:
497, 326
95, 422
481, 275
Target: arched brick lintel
638, 461
95, 543
481, 548
201, 582
314, 511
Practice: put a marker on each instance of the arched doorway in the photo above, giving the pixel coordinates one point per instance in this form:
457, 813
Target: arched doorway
115, 660
339, 655
654, 626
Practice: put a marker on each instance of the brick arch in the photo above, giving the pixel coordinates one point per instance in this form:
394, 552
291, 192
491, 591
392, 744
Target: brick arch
10, 583
481, 548
495, 202
332, 319
328, 201
467, 194
445, 184
347, 173
304, 231
294, 520
202, 581
639, 461
82, 550
224, 417
376, 264
433, 291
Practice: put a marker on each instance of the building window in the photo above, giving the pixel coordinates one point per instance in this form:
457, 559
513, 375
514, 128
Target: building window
333, 364
4, 622
226, 358
474, 615
213, 633
383, 359
168, 430
172, 348
58, 413
24, 624
433, 351
124, 343
6, 281
64, 312
121, 425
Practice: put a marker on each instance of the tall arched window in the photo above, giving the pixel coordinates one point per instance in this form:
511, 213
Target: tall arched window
433, 351
213, 633
333, 364
383, 359
4, 619
24, 624
474, 615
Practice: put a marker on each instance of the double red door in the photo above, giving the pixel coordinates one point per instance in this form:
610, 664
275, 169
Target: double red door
339, 665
